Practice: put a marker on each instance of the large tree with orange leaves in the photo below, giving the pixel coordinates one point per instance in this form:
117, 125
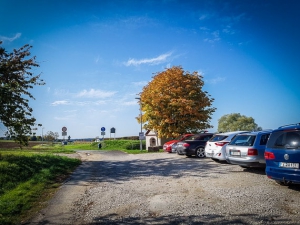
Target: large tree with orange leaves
174, 103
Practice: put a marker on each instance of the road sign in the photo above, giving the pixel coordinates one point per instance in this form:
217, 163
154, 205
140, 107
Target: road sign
102, 133
102, 128
64, 133
112, 130
141, 136
64, 129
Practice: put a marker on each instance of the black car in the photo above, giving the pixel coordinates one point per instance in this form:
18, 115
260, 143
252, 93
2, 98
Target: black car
194, 145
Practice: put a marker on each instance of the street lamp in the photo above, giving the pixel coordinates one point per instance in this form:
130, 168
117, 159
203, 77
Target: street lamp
140, 136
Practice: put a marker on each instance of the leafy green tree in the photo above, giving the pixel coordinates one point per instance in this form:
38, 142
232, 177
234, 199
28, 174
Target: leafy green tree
235, 122
174, 103
16, 79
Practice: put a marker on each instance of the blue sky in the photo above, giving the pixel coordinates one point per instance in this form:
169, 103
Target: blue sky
96, 56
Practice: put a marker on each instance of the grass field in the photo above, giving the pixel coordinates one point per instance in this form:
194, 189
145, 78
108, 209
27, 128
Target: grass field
29, 177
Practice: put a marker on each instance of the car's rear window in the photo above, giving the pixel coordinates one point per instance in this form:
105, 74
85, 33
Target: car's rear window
284, 140
179, 138
216, 138
243, 140
201, 137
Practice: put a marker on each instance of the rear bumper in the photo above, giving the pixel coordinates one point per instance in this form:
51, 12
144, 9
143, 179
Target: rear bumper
208, 154
189, 152
245, 163
219, 156
283, 175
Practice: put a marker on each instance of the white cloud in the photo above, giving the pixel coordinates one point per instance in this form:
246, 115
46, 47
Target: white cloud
204, 28
129, 103
78, 103
152, 61
140, 83
216, 80
62, 102
10, 39
92, 93
206, 16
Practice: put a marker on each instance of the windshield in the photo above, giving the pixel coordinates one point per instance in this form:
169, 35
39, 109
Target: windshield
216, 138
243, 140
200, 137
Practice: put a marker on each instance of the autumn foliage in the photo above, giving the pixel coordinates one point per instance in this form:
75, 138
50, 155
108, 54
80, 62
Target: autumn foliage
174, 103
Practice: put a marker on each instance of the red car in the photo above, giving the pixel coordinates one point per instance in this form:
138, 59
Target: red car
168, 145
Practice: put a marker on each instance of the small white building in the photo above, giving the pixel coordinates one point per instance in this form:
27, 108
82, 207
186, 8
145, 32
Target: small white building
153, 141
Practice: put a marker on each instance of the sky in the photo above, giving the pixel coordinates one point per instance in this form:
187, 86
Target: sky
97, 55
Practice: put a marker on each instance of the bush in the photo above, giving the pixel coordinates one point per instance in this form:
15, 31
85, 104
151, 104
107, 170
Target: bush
134, 145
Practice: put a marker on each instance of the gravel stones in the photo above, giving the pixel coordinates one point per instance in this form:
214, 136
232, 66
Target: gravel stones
162, 188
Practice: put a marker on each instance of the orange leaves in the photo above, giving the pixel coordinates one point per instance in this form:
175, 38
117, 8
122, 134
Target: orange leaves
174, 103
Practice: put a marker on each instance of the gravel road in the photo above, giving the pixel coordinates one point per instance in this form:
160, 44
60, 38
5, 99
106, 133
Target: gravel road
159, 188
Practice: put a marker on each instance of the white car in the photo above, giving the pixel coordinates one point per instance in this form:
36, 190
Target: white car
215, 147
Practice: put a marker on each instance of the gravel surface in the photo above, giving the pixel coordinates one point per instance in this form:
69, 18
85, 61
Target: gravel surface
159, 188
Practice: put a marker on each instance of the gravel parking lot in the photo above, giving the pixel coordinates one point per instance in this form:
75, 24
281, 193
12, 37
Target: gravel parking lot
161, 188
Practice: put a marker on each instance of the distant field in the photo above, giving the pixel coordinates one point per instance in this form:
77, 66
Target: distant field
12, 144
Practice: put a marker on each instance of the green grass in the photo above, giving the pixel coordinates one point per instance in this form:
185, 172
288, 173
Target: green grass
122, 145
26, 179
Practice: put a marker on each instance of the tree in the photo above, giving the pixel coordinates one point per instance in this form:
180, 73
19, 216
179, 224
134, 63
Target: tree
51, 136
236, 121
174, 103
16, 78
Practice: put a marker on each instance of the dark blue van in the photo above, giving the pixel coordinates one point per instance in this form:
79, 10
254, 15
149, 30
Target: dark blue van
282, 154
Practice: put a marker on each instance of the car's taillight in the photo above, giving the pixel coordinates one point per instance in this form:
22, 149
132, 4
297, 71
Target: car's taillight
252, 151
220, 143
186, 145
269, 155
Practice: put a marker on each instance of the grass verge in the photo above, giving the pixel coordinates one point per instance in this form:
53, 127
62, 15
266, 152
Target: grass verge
27, 179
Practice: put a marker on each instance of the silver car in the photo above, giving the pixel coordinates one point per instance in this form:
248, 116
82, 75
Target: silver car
247, 149
216, 146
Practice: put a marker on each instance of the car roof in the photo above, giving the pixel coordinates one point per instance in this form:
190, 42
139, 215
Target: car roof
232, 132
295, 126
256, 132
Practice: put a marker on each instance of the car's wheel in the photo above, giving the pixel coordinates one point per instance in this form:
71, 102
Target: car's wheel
200, 152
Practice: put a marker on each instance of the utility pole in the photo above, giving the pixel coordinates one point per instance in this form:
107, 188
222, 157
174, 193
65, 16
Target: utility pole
141, 144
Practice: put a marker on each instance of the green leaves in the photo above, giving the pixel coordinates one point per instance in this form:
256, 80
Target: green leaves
16, 79
235, 122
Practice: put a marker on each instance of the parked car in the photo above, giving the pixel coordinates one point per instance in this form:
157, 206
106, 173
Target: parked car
247, 149
283, 154
168, 145
194, 145
174, 145
215, 147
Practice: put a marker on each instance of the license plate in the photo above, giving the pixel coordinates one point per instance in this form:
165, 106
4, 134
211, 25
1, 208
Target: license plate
235, 152
289, 165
